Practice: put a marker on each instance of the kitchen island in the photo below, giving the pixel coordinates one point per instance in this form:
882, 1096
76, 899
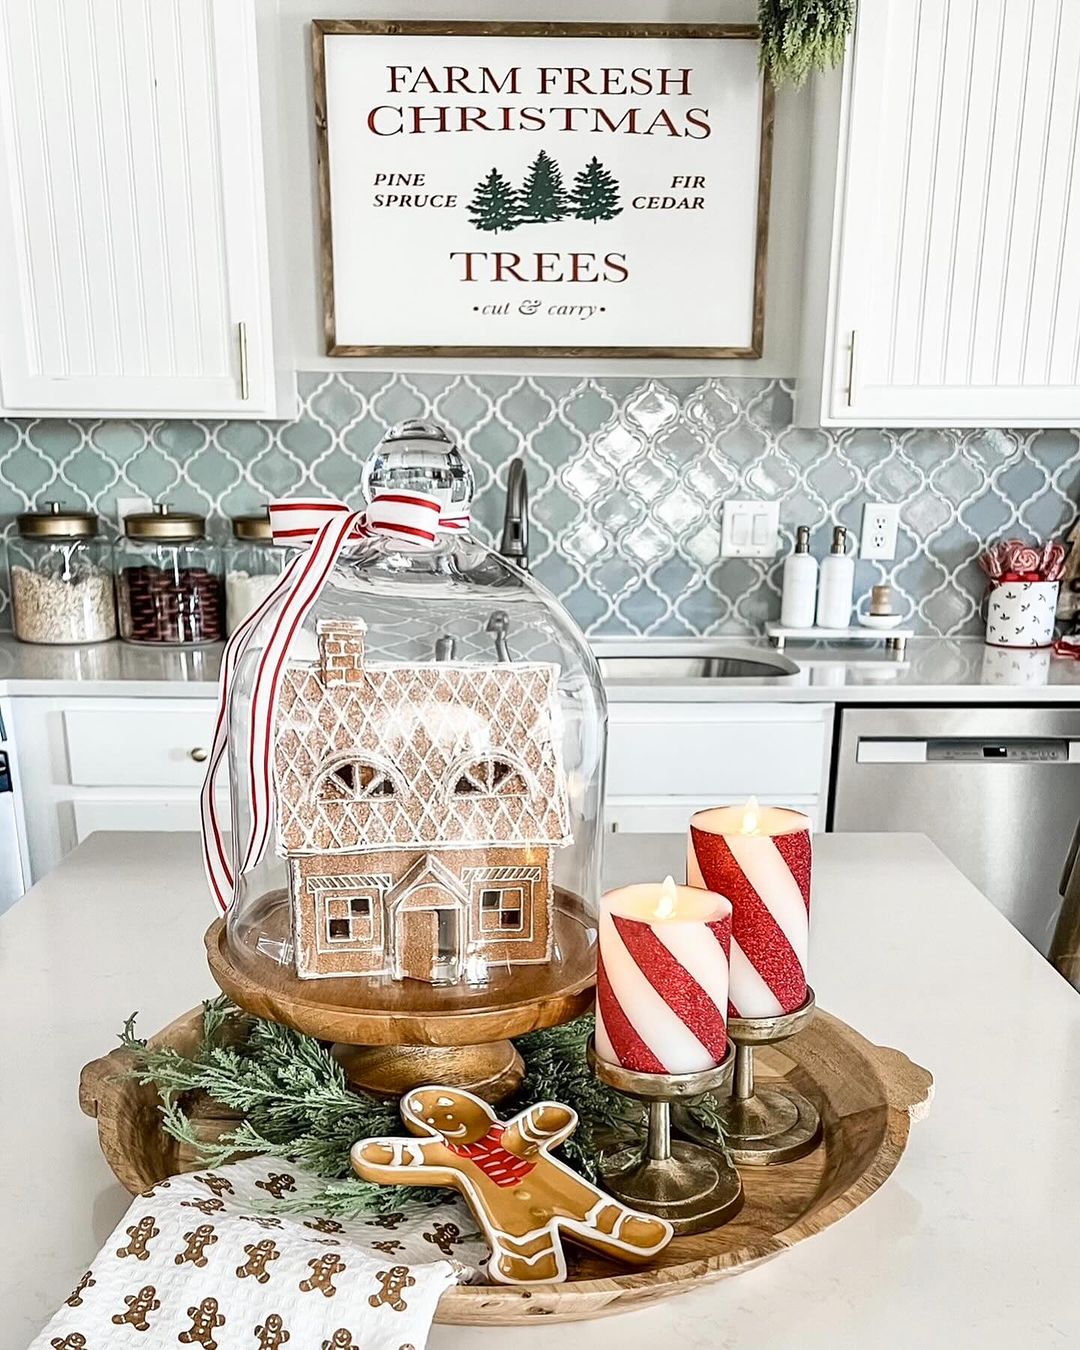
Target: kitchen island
970, 1243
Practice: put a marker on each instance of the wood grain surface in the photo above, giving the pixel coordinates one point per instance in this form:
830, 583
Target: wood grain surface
868, 1096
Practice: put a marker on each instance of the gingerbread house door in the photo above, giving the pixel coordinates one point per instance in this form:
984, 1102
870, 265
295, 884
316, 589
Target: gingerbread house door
429, 916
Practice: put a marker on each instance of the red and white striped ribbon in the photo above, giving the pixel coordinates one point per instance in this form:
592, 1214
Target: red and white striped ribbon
662, 993
767, 880
411, 520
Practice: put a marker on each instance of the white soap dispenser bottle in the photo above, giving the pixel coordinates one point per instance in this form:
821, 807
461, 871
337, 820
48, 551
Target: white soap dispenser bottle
799, 593
836, 589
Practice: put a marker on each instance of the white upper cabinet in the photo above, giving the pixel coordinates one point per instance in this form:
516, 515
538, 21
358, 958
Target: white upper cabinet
943, 286
132, 210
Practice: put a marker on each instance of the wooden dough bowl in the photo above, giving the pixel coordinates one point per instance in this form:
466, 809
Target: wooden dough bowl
867, 1095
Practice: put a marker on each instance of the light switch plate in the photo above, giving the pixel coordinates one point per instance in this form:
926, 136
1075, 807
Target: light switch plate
126, 506
750, 529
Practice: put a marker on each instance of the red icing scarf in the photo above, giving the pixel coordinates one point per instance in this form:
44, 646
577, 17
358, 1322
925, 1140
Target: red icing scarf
497, 1163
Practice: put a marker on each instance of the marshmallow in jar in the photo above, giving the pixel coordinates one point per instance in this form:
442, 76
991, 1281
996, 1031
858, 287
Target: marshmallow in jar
662, 978
760, 858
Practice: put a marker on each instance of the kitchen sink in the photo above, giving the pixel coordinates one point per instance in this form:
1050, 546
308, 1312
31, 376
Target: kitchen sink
735, 664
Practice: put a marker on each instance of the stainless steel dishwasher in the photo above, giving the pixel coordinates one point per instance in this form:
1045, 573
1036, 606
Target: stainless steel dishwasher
996, 788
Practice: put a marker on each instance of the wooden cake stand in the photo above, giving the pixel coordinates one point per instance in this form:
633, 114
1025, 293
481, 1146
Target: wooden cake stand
391, 1036
867, 1097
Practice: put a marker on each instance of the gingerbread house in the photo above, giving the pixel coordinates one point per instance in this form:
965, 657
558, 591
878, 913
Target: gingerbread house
418, 807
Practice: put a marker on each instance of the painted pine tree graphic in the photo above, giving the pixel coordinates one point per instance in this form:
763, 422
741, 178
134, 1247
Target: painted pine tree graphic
495, 204
543, 196
595, 194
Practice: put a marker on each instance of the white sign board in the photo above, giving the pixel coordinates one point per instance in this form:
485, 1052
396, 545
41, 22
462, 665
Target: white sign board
542, 189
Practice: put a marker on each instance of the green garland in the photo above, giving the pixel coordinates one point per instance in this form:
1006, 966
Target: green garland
800, 36
296, 1104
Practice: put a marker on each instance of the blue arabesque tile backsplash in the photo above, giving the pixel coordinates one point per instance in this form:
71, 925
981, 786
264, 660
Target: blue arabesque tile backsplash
627, 476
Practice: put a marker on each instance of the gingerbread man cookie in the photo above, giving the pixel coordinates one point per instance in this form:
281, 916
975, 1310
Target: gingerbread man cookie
138, 1305
387, 1221
444, 1236
219, 1185
278, 1184
197, 1242
259, 1255
207, 1206
74, 1340
525, 1200
323, 1269
74, 1299
322, 1225
272, 1334
390, 1246
340, 1340
205, 1320
391, 1284
140, 1234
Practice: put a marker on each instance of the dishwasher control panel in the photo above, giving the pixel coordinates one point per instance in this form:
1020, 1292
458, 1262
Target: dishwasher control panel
968, 751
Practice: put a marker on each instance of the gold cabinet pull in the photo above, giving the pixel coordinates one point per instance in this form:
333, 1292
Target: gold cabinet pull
245, 384
851, 370
199, 755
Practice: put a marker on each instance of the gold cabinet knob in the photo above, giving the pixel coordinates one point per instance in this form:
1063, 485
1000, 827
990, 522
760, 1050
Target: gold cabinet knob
198, 754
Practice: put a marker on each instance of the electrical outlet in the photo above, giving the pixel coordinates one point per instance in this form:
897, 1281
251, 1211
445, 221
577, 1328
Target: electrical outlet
750, 529
880, 523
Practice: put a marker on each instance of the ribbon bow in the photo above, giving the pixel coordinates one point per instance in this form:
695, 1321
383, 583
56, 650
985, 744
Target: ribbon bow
412, 520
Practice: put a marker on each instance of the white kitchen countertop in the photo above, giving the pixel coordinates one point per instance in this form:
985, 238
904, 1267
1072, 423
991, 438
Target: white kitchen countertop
934, 670
972, 1242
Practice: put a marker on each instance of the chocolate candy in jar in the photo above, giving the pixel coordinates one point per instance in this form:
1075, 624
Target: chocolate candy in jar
169, 580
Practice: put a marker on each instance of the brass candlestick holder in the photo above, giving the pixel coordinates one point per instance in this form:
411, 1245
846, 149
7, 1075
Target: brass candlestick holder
763, 1125
694, 1187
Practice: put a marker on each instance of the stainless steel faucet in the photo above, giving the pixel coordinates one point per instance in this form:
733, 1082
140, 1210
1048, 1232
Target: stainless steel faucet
515, 532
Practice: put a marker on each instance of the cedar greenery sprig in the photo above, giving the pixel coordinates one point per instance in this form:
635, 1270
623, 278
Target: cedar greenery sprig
801, 36
296, 1104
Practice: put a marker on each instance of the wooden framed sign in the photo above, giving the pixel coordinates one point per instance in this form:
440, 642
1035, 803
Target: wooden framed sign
542, 189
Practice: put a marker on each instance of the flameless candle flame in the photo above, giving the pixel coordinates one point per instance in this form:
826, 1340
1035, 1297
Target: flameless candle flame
751, 815
665, 901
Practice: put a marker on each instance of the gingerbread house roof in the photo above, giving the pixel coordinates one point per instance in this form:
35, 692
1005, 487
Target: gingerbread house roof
437, 754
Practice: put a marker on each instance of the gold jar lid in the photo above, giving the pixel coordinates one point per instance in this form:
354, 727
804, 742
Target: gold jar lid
256, 528
164, 524
57, 522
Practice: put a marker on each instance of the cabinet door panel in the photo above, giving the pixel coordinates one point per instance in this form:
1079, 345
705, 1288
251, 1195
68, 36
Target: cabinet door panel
132, 207
954, 297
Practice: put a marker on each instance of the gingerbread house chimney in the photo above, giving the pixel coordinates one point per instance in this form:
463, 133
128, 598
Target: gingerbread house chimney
341, 651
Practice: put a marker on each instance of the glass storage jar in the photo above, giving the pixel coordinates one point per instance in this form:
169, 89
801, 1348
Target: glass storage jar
169, 581
436, 758
61, 578
253, 564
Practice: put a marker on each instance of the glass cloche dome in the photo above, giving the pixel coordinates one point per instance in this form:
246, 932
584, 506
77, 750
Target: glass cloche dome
436, 760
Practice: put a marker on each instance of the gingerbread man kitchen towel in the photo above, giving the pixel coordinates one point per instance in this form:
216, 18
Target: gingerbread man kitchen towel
204, 1260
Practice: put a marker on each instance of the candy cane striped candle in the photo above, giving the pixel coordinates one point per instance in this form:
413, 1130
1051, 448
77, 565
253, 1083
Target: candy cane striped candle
760, 857
662, 978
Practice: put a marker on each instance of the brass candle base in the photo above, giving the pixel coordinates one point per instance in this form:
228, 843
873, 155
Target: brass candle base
768, 1124
694, 1187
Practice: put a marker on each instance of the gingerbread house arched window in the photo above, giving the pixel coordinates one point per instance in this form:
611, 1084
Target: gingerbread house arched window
490, 776
357, 780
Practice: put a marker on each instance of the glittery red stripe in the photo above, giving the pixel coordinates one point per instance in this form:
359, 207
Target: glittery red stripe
674, 983
630, 1050
752, 925
797, 852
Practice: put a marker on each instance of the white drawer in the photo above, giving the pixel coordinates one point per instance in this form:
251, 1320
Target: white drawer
626, 815
156, 745
91, 816
716, 753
